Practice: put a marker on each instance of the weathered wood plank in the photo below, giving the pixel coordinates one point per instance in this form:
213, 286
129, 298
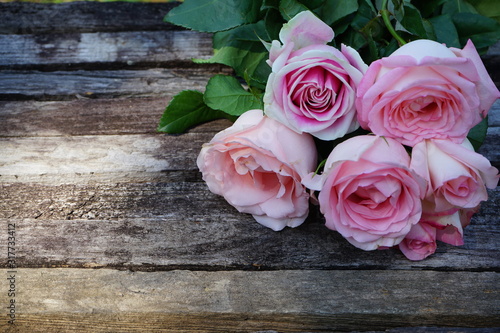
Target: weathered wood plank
65, 159
286, 301
490, 147
81, 117
114, 116
158, 226
80, 84
29, 18
152, 48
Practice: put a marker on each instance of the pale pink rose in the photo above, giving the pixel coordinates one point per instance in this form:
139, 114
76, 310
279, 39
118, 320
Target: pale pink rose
450, 227
368, 192
420, 242
425, 90
302, 30
457, 176
312, 87
257, 165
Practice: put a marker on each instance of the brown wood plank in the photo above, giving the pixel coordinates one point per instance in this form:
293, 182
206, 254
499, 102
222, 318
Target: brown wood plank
112, 83
113, 116
29, 18
490, 147
127, 48
158, 226
286, 301
76, 159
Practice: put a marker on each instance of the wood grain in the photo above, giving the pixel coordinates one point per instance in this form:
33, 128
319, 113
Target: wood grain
87, 116
286, 301
128, 48
61, 85
180, 224
38, 18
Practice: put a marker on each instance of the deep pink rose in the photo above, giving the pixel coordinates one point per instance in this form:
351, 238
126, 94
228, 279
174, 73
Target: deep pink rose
420, 242
368, 192
425, 90
457, 176
257, 165
312, 87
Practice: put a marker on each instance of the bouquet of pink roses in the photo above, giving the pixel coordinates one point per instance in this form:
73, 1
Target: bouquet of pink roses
397, 167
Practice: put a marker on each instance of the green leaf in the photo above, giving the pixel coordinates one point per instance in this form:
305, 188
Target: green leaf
428, 8
385, 51
225, 93
483, 31
244, 62
312, 4
214, 15
398, 9
488, 8
290, 8
186, 110
268, 4
445, 30
429, 29
273, 22
473, 24
478, 133
334, 10
457, 6
412, 21
483, 41
241, 36
366, 13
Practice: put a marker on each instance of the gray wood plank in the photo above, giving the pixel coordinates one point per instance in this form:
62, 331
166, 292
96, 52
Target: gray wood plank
286, 301
127, 48
81, 117
86, 116
180, 224
76, 159
15, 85
79, 16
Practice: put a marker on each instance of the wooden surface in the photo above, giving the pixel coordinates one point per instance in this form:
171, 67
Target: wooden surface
116, 232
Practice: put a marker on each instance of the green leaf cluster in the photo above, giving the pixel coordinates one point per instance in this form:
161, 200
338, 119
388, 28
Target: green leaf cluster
242, 28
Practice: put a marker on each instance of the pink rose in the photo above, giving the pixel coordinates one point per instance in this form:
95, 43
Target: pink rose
368, 192
257, 165
420, 242
425, 90
457, 176
312, 87
450, 227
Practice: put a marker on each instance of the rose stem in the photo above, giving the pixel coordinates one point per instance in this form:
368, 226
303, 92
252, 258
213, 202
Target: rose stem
387, 21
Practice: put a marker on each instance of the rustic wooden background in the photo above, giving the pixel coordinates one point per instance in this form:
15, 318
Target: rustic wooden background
116, 232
